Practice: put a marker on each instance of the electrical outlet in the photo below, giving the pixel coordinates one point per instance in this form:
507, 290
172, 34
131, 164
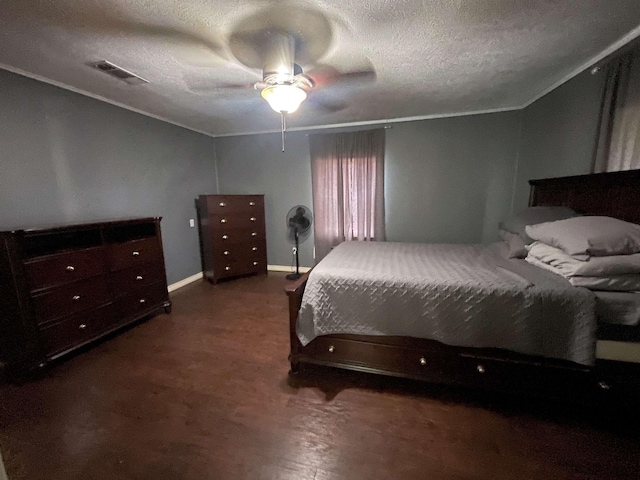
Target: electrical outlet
192, 222
294, 250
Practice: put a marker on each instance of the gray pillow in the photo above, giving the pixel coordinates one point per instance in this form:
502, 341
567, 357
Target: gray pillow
582, 237
517, 222
517, 248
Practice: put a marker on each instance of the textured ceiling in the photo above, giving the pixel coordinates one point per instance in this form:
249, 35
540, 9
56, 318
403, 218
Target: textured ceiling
431, 57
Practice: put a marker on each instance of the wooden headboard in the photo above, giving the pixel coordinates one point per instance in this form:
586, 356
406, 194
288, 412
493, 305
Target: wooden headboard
614, 194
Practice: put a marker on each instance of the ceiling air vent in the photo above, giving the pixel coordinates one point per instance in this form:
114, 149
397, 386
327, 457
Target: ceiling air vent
118, 72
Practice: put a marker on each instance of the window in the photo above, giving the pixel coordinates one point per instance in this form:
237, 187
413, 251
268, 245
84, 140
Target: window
348, 188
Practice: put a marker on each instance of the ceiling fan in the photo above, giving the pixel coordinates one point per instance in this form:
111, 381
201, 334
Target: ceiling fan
278, 41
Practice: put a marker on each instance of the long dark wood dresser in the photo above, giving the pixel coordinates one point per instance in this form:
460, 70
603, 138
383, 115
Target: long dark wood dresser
63, 287
232, 235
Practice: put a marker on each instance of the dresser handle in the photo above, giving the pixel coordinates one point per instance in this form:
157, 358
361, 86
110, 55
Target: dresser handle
226, 252
332, 349
604, 386
136, 253
480, 369
423, 361
252, 204
225, 237
254, 234
138, 278
227, 268
70, 268
224, 220
222, 204
76, 298
255, 263
253, 219
143, 300
255, 249
82, 326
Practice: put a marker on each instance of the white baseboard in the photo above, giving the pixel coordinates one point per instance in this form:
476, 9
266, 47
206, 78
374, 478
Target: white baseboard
185, 281
286, 268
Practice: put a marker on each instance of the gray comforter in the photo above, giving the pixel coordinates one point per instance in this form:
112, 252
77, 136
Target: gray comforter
463, 295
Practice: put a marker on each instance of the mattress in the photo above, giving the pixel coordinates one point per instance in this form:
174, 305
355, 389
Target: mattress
618, 308
461, 295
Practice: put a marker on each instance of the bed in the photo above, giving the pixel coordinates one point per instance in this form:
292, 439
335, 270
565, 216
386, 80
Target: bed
562, 365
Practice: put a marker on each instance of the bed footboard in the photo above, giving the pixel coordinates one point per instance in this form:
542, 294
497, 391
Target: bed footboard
294, 291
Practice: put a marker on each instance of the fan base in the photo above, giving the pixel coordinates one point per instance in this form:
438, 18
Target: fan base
293, 276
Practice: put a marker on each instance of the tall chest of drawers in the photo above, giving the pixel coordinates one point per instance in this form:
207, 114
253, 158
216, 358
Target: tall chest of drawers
232, 235
63, 287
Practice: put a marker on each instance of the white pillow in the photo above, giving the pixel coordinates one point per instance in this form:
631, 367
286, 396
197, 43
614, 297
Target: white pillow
594, 267
517, 222
582, 237
617, 283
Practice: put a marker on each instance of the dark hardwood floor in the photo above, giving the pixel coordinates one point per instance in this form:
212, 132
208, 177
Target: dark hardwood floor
203, 393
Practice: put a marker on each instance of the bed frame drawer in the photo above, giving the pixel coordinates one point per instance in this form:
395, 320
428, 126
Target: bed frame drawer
374, 357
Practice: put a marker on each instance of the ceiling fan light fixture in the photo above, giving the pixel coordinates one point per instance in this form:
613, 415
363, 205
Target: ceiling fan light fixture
284, 99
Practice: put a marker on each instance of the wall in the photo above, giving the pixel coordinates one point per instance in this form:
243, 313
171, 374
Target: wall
559, 133
447, 180
69, 158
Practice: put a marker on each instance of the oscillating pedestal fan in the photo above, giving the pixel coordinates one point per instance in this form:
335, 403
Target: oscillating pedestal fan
299, 220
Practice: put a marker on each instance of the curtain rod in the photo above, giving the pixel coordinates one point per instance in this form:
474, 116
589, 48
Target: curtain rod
386, 127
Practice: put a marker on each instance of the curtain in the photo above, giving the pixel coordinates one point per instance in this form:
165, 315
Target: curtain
348, 188
618, 146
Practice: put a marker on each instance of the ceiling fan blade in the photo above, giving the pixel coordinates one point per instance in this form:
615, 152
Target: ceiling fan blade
325, 75
107, 20
326, 105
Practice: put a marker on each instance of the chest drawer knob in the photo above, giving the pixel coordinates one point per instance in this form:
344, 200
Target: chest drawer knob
75, 298
423, 361
225, 237
252, 204
604, 386
226, 252
224, 220
480, 369
70, 268
253, 219
143, 301
82, 326
255, 263
138, 277
227, 268
332, 349
222, 204
254, 234
255, 249
135, 253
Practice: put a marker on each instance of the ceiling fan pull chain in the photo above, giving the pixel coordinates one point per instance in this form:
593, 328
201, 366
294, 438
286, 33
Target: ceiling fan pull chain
284, 127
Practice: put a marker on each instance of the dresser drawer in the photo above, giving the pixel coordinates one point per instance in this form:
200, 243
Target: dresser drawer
126, 281
241, 251
242, 220
142, 300
54, 270
71, 298
225, 237
233, 204
136, 252
70, 332
239, 267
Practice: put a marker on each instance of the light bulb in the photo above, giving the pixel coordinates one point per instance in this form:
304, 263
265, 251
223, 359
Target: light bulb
284, 98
